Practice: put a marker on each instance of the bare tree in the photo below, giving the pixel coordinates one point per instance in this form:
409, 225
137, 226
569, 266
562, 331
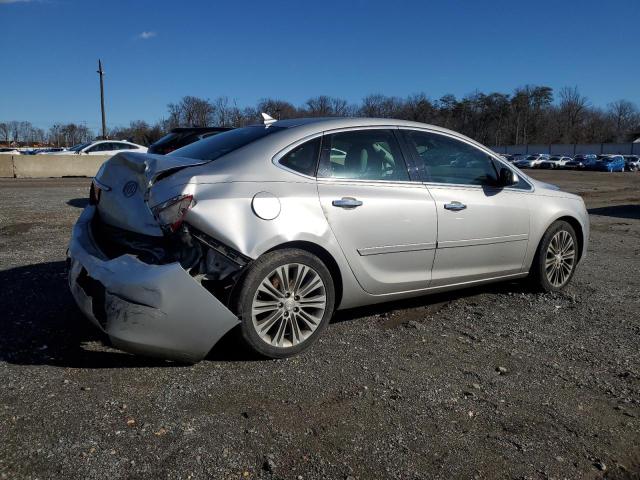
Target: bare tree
572, 108
5, 132
191, 112
139, 132
625, 117
380, 106
278, 109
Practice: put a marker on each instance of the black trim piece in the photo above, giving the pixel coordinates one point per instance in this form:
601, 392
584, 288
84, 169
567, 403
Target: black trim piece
95, 291
233, 255
409, 155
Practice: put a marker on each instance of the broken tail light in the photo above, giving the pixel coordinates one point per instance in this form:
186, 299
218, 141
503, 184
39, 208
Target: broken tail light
94, 194
170, 214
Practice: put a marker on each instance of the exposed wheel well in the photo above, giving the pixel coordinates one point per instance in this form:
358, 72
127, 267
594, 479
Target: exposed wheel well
326, 258
579, 233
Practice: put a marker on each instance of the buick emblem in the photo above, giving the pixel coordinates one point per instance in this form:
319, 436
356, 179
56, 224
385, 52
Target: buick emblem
129, 189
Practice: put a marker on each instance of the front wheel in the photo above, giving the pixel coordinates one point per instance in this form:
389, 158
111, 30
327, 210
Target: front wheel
556, 258
285, 302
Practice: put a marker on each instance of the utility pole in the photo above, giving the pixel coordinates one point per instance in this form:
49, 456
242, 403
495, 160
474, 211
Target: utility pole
104, 123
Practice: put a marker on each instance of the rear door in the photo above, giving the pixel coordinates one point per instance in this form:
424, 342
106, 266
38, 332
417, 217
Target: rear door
483, 230
385, 223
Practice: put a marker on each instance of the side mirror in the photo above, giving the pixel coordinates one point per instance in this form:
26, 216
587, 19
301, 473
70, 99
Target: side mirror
507, 178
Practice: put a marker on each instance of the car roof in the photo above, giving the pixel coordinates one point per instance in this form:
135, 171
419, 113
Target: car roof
199, 129
293, 129
330, 123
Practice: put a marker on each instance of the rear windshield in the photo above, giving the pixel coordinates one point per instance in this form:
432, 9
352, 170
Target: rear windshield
216, 146
169, 137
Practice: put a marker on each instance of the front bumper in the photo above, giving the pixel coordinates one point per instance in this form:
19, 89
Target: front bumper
156, 310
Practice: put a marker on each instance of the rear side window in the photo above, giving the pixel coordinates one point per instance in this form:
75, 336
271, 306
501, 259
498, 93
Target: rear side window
363, 155
216, 146
303, 158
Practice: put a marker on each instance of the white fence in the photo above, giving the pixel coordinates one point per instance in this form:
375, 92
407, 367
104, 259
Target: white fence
571, 148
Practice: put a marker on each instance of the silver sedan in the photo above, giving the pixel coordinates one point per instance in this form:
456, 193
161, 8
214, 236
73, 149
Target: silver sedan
274, 227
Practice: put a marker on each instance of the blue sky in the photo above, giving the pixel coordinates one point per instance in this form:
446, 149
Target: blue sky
293, 50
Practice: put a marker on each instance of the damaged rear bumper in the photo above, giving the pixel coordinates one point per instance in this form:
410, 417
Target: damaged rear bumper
157, 310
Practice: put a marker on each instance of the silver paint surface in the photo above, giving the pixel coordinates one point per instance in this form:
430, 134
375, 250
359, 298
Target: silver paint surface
401, 242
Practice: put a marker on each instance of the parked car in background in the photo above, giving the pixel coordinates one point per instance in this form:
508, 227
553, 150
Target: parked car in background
508, 157
179, 137
39, 151
632, 163
555, 161
532, 161
608, 163
9, 151
273, 227
102, 147
581, 161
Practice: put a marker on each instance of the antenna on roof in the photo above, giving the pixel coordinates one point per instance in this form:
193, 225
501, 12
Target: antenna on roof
267, 119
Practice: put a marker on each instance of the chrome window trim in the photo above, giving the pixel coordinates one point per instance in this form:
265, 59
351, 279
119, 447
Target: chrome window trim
483, 149
361, 181
358, 181
284, 151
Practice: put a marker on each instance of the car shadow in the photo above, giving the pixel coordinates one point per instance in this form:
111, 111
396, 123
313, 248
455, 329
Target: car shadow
41, 324
78, 202
432, 302
618, 211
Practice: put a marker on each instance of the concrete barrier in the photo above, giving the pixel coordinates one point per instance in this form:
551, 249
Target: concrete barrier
6, 166
47, 166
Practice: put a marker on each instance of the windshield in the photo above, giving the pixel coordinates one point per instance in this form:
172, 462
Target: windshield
80, 146
166, 139
532, 157
216, 146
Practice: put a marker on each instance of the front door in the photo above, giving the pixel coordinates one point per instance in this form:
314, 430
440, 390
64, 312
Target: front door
483, 230
385, 224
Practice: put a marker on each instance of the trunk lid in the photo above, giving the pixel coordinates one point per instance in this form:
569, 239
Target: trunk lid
125, 180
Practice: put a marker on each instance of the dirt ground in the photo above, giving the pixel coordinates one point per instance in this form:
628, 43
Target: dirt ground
407, 390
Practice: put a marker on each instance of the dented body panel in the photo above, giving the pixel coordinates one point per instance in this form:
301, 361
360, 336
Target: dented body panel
244, 203
157, 310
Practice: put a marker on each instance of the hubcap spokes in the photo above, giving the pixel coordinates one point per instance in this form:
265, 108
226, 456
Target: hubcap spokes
288, 305
560, 258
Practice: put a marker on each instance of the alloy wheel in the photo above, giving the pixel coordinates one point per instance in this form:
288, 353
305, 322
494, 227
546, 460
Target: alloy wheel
288, 305
560, 258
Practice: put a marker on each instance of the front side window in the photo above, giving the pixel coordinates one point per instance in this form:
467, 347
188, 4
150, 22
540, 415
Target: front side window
442, 159
303, 158
363, 155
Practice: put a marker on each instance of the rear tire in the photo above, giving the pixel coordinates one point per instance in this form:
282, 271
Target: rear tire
555, 261
284, 302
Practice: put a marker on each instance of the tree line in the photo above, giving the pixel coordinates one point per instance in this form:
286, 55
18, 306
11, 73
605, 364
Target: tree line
529, 114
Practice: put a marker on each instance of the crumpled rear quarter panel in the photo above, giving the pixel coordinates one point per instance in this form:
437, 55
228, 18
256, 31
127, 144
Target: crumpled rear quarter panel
157, 310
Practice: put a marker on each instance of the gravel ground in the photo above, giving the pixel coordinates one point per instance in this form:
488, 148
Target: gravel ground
483, 383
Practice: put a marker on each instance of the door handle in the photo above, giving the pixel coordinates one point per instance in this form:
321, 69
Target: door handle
347, 202
455, 206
